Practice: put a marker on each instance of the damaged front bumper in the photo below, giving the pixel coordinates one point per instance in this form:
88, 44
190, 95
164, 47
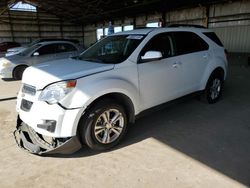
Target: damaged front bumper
27, 139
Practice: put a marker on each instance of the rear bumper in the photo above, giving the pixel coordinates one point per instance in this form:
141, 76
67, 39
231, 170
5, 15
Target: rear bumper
27, 139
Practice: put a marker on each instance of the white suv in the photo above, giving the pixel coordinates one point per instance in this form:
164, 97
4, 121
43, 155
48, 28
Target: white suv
91, 99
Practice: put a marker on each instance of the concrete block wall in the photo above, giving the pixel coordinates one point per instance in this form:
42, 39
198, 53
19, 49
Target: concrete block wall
230, 20
196, 15
90, 35
24, 27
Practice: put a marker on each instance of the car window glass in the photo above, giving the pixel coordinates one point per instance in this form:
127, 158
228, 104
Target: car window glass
188, 42
162, 43
65, 48
30, 50
214, 38
112, 49
47, 49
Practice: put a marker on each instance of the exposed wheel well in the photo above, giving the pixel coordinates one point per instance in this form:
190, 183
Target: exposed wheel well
219, 71
121, 99
13, 72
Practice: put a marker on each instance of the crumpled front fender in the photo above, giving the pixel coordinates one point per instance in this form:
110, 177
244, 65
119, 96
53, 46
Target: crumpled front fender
27, 139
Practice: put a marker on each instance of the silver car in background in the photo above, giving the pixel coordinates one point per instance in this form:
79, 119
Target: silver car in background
14, 66
17, 50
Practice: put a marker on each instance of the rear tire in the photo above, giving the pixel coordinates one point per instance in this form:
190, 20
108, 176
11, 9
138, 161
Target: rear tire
214, 87
103, 125
18, 72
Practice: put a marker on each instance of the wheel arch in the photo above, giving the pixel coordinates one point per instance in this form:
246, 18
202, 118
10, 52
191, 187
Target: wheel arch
121, 99
216, 70
220, 71
18, 66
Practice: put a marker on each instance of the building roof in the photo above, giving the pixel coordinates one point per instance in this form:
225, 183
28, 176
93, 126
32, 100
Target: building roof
91, 11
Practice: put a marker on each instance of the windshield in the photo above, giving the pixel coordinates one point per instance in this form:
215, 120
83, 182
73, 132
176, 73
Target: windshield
29, 50
112, 49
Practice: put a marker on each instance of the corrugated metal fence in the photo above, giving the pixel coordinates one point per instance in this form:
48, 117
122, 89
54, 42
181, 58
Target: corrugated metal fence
235, 39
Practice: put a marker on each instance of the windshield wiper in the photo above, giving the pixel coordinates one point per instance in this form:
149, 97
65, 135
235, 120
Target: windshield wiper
75, 57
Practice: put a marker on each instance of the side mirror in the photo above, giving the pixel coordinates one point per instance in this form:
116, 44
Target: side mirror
151, 56
36, 54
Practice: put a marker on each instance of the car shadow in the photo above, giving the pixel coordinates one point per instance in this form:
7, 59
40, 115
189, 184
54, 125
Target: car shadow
216, 135
8, 99
8, 79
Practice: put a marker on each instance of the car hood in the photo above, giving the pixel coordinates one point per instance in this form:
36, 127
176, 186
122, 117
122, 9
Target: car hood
46, 73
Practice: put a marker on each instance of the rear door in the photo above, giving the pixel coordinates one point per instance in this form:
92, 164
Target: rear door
193, 55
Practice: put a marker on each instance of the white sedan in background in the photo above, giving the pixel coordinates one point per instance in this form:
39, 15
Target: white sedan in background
17, 50
14, 66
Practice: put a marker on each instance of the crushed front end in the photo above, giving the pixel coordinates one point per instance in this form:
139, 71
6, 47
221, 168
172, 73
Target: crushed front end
44, 128
35, 143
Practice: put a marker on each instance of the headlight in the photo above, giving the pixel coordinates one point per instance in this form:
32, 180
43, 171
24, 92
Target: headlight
5, 62
55, 92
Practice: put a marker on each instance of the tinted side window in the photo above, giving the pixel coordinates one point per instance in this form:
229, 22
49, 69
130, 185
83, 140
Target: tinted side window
47, 49
214, 38
162, 43
188, 42
65, 48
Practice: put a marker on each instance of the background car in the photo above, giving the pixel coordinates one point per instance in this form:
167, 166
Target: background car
4, 46
17, 50
14, 66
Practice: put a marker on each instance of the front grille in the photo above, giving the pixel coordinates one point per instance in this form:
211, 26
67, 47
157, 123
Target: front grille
28, 89
26, 105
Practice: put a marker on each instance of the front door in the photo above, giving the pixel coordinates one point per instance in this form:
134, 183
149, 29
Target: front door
45, 53
160, 80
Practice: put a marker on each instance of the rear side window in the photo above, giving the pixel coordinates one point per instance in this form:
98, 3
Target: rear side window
214, 38
188, 42
60, 48
47, 49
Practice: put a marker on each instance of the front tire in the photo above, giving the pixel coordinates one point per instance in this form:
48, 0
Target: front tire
214, 88
103, 126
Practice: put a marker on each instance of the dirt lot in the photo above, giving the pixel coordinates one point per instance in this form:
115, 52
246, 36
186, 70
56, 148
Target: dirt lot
190, 144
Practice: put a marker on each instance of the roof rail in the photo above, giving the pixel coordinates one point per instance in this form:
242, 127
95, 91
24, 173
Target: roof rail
145, 27
186, 25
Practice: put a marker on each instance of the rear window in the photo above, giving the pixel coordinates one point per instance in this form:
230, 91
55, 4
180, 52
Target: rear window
214, 38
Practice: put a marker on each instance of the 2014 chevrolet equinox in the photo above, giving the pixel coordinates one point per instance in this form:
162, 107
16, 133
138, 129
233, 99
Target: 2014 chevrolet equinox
92, 98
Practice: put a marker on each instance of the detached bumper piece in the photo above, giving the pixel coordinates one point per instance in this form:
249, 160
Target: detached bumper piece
27, 139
